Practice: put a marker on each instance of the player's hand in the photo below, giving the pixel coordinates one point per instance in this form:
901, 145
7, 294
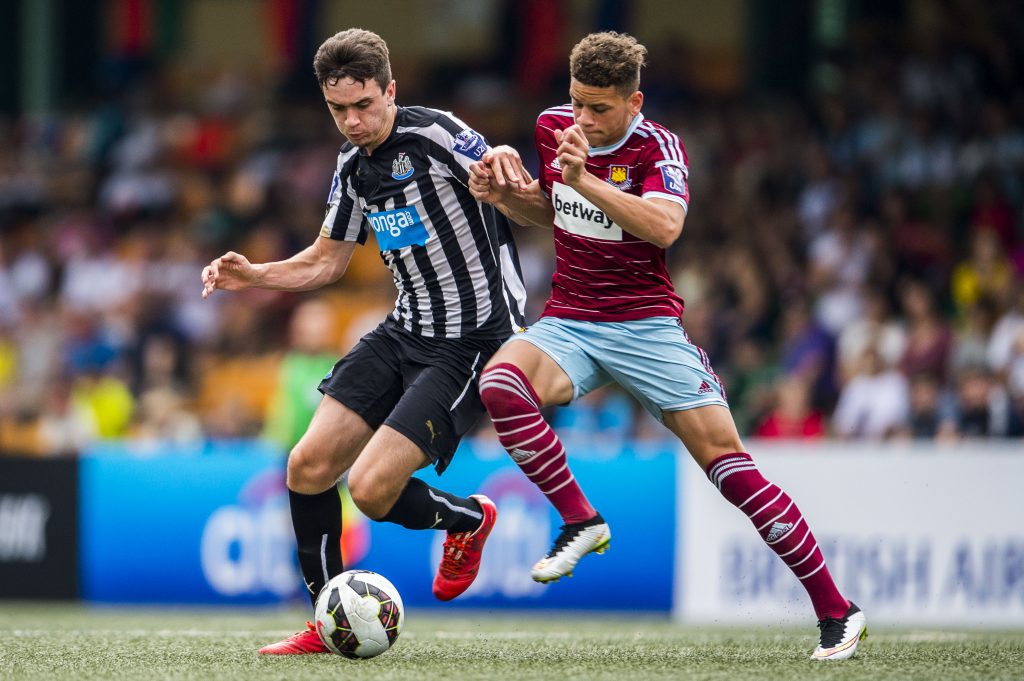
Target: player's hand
482, 186
486, 187
507, 167
230, 272
573, 150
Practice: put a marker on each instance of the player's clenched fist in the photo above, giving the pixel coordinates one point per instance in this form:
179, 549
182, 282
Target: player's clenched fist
572, 153
230, 272
482, 185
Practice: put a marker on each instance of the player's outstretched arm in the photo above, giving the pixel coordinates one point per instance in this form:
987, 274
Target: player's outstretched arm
318, 265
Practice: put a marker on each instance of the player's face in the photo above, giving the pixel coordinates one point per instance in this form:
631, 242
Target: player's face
362, 111
602, 112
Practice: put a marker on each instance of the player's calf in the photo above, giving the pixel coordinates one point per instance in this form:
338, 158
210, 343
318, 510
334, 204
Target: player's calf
514, 406
781, 525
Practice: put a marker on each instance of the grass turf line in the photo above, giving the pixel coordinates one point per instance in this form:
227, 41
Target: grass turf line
40, 642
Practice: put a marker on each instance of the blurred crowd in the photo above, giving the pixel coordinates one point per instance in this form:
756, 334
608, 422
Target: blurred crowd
853, 261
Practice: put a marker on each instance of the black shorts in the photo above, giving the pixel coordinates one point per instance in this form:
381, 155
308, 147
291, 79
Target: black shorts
425, 388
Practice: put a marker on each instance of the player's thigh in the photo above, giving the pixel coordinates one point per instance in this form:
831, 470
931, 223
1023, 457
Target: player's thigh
380, 473
554, 359
549, 381
707, 432
328, 448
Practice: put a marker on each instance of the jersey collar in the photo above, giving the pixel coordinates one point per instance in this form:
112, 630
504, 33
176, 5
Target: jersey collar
611, 148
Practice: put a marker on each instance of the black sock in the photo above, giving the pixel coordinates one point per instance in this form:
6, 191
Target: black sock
422, 507
317, 522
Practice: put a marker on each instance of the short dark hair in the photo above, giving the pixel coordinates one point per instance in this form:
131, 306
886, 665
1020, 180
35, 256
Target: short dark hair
608, 59
354, 53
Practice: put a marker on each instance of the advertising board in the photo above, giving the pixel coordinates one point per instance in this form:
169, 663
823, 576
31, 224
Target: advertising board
915, 536
38, 528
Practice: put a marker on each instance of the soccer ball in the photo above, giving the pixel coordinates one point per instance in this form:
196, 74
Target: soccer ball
359, 614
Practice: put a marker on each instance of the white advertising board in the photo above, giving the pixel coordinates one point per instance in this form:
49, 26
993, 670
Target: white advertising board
915, 536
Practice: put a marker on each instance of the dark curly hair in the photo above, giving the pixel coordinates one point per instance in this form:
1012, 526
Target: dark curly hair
355, 53
608, 59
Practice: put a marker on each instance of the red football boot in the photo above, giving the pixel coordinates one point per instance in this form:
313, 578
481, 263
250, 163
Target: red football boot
460, 559
306, 642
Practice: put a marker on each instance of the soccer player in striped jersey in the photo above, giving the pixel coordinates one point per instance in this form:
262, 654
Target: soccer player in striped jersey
405, 395
614, 188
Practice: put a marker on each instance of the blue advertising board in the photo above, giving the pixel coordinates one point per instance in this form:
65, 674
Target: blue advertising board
634, 491
215, 528
176, 528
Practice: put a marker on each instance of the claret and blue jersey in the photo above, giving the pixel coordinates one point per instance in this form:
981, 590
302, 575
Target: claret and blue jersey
602, 272
452, 259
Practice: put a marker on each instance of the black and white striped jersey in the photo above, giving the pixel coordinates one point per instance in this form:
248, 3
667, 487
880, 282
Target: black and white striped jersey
453, 259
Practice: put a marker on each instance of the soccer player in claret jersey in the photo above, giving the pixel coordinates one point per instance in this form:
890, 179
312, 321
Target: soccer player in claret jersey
405, 395
614, 187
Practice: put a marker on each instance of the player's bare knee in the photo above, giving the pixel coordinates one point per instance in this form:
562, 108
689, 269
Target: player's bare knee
371, 493
308, 472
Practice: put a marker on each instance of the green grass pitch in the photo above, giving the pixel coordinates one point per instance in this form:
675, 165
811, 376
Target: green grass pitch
54, 641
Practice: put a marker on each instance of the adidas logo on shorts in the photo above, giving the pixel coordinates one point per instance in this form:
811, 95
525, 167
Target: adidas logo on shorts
704, 388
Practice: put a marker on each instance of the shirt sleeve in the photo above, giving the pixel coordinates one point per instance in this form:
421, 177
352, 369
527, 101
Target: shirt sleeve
540, 134
666, 169
461, 145
344, 220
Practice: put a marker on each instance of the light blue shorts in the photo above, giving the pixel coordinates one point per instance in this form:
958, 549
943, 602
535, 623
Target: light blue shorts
652, 358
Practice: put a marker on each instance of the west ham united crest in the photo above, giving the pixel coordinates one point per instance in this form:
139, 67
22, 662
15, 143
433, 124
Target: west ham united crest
402, 168
618, 176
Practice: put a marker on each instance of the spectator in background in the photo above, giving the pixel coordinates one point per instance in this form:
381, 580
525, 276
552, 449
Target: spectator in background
164, 417
750, 382
820, 196
1015, 385
1005, 335
932, 413
66, 424
312, 337
987, 273
921, 248
925, 157
982, 405
792, 416
808, 351
839, 261
972, 338
874, 404
929, 337
108, 401
8, 362
875, 327
1005, 358
992, 213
